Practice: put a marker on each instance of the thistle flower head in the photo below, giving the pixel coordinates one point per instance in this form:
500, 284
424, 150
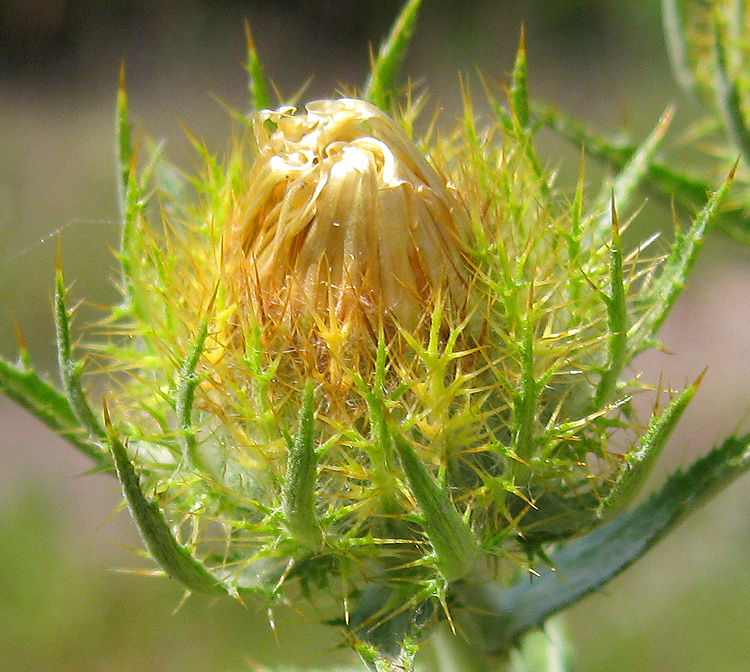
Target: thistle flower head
382, 358
358, 360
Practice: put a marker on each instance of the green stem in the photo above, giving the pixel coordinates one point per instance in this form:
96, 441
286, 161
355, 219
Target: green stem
545, 650
451, 652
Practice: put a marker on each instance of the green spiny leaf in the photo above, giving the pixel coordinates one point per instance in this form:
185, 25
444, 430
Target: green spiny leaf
576, 282
300, 485
451, 537
124, 143
641, 462
519, 91
129, 192
30, 391
380, 87
661, 294
617, 314
129, 252
501, 616
520, 118
634, 171
170, 555
187, 381
526, 397
70, 369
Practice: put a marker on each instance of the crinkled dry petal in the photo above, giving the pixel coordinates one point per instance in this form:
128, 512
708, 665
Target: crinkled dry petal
345, 218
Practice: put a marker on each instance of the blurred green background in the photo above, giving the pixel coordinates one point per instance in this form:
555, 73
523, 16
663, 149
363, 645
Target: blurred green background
63, 604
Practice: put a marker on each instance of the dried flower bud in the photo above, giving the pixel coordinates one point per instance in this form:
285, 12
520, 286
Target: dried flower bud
344, 218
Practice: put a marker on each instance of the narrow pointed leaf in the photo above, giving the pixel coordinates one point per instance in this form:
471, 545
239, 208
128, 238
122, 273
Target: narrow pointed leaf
451, 537
663, 292
299, 489
380, 86
170, 555
634, 171
129, 192
526, 398
70, 369
124, 143
44, 402
519, 91
642, 461
576, 282
502, 616
259, 99
617, 313
521, 126
128, 253
187, 381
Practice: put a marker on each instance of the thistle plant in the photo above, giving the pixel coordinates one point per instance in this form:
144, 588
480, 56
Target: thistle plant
381, 371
